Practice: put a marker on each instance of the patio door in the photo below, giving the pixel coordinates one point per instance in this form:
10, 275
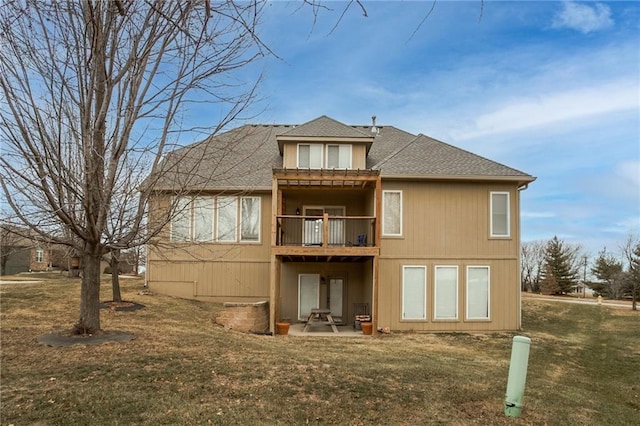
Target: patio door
336, 300
308, 294
313, 229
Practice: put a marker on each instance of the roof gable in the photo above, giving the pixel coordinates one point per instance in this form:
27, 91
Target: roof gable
324, 126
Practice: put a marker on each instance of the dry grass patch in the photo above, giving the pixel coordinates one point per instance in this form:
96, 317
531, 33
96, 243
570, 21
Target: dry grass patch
183, 369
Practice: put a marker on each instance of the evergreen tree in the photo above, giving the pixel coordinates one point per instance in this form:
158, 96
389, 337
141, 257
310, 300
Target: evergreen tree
608, 270
559, 261
548, 283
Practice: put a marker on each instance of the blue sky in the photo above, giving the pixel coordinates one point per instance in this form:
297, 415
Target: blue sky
550, 88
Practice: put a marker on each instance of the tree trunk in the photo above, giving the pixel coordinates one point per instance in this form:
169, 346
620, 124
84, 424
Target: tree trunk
89, 322
115, 275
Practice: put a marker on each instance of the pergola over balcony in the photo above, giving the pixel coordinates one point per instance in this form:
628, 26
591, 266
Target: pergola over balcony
326, 178
325, 236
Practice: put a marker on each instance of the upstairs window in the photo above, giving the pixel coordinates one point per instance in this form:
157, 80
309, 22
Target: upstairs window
338, 156
181, 220
250, 219
392, 213
310, 156
500, 220
203, 219
227, 210
320, 156
221, 218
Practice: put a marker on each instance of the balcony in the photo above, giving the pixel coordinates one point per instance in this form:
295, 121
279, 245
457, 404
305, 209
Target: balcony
325, 235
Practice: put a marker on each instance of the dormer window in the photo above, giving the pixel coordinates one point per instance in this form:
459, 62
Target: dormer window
338, 156
319, 156
310, 156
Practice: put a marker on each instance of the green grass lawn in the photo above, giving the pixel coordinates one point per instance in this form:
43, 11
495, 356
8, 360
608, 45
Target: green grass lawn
182, 369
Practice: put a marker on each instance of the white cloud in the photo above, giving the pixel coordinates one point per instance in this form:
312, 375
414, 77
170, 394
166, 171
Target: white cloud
584, 18
550, 108
630, 171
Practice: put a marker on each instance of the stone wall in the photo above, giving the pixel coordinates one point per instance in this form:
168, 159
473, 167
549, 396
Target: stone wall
245, 317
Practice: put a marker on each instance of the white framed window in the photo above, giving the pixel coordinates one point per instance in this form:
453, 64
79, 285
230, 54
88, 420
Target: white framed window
392, 213
414, 292
250, 219
338, 156
181, 219
39, 255
203, 219
310, 156
478, 293
445, 304
194, 218
500, 217
227, 218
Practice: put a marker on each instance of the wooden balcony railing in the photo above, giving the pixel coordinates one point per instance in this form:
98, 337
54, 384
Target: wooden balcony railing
325, 231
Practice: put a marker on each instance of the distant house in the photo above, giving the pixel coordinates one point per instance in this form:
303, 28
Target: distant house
356, 219
582, 290
22, 251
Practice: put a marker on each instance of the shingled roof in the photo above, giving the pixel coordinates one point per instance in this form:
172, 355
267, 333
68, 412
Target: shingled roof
326, 127
428, 157
244, 158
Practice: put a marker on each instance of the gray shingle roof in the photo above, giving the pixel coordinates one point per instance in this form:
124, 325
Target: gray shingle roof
425, 156
328, 127
243, 158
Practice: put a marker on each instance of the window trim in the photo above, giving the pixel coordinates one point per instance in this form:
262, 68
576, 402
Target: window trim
435, 293
424, 288
492, 213
39, 255
384, 213
467, 316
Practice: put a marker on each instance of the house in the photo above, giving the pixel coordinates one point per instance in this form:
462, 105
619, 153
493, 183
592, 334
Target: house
357, 219
582, 289
23, 251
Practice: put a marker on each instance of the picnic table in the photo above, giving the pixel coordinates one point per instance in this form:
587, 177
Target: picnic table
319, 317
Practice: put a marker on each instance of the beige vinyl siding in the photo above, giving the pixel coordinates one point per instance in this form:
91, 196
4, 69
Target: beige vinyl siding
450, 219
214, 271
449, 224
504, 290
214, 281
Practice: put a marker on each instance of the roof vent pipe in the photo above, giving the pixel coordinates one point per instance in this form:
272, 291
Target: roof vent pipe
374, 129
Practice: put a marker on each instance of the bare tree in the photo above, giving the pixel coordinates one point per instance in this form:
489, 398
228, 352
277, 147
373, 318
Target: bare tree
531, 264
94, 94
631, 252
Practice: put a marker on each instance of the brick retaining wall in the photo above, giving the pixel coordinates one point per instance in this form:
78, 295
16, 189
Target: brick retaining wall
245, 317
